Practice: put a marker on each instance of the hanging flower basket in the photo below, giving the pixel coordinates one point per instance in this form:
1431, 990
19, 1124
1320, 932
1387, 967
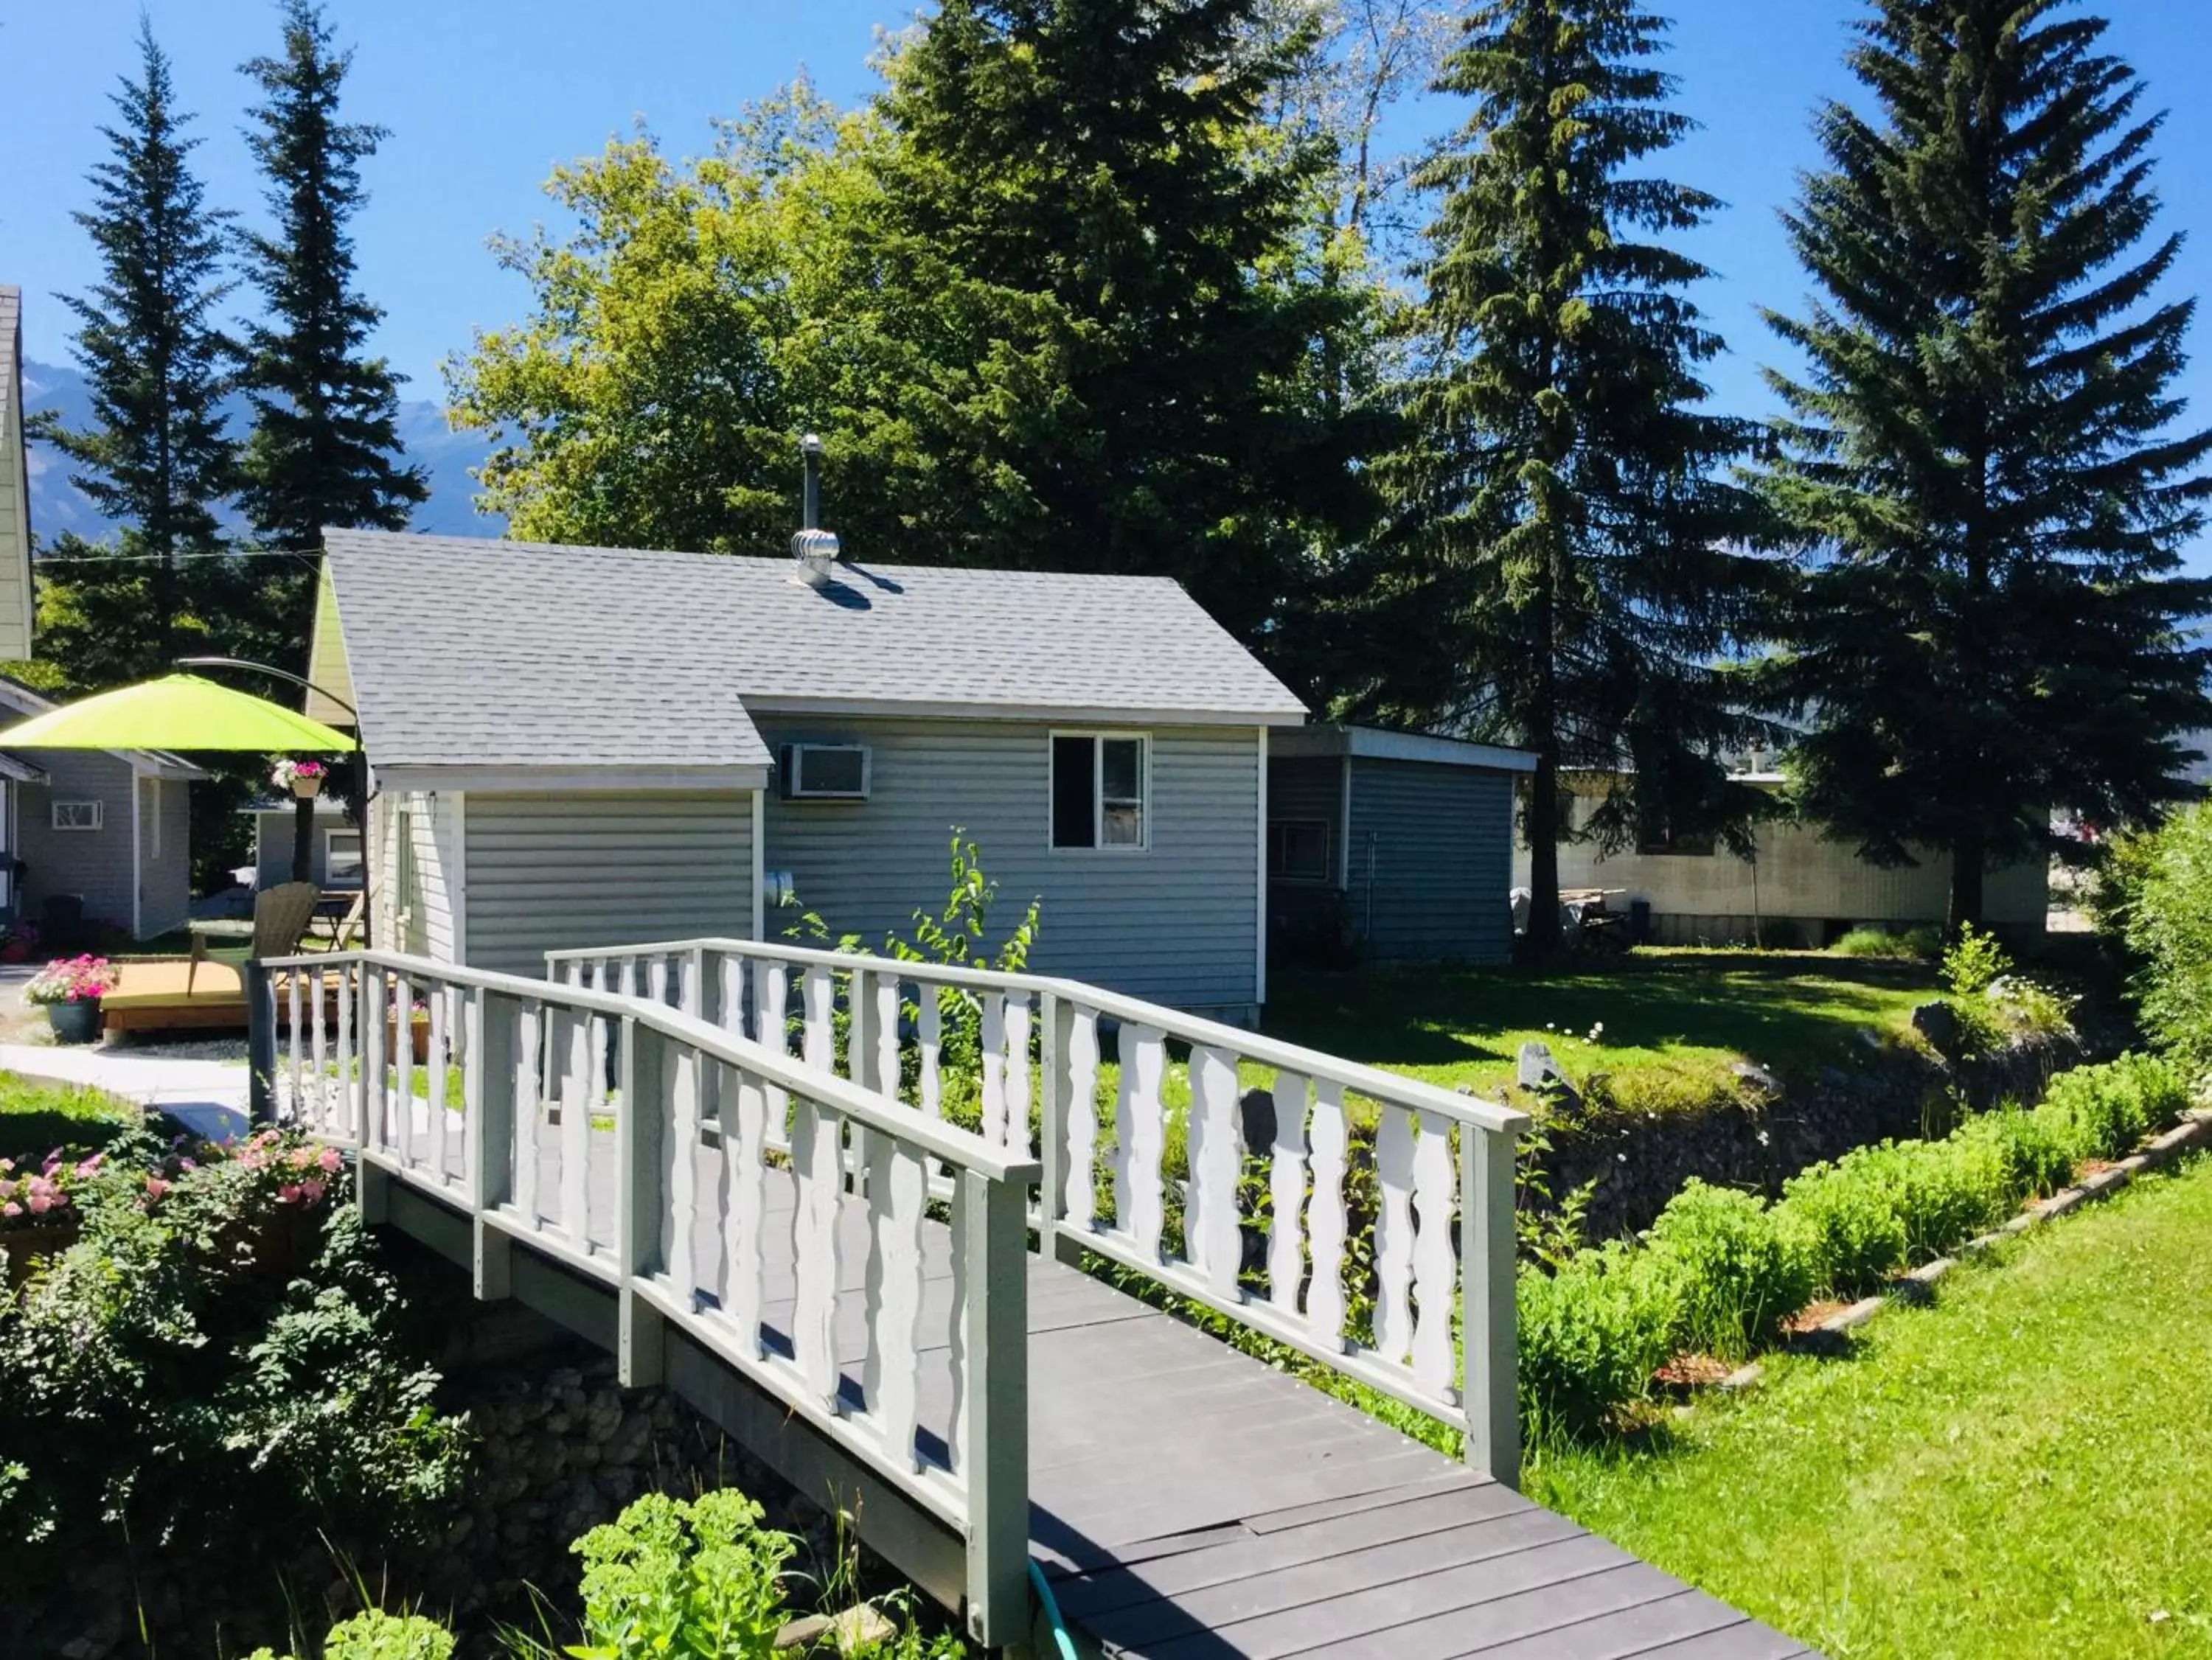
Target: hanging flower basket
303, 778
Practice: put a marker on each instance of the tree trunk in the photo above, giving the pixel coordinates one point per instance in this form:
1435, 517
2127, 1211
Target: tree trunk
303, 839
1968, 863
1543, 827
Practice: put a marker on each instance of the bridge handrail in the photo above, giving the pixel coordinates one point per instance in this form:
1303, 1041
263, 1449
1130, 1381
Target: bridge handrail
1355, 1075
940, 1139
1440, 1335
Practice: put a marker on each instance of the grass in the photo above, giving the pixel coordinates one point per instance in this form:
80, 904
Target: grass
1676, 1021
36, 1117
2019, 1469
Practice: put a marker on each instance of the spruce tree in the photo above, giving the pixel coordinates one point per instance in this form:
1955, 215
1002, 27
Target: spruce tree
1982, 454
1100, 235
1563, 568
324, 448
158, 459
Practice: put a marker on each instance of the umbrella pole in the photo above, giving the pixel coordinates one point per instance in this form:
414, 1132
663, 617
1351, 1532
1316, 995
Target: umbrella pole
303, 839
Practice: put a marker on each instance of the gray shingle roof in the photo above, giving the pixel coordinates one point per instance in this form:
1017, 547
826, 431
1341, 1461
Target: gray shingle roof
468, 651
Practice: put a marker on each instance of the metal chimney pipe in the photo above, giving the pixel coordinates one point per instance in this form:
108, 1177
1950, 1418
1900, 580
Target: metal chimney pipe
810, 514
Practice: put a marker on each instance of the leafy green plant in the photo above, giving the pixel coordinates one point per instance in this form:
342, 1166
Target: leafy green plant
1849, 1221
1735, 1272
2163, 911
1591, 1335
696, 1579
1909, 945
376, 1635
1973, 961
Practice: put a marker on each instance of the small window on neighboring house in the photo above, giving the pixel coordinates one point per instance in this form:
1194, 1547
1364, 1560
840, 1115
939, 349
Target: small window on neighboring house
1100, 789
342, 858
78, 814
1297, 850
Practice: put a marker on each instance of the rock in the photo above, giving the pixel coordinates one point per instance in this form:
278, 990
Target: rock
796, 1634
1758, 1077
629, 1443
604, 1415
861, 1628
1938, 1022
1538, 1069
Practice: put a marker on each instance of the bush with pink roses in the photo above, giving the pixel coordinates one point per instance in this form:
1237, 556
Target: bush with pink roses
44, 1196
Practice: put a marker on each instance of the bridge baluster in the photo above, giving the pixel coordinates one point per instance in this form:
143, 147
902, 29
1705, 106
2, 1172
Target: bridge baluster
1017, 1075
818, 1157
348, 1089
1325, 1216
772, 1027
1433, 1266
887, 1034
577, 1051
1139, 1135
400, 1018
434, 1079
527, 1074
929, 1043
897, 1186
1212, 1242
316, 1109
1394, 1234
1080, 1192
744, 1218
994, 1043
1286, 1258
683, 1168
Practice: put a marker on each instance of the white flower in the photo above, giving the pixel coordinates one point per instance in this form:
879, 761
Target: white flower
1762, 1138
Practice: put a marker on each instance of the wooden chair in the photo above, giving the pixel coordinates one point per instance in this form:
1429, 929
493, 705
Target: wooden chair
165, 994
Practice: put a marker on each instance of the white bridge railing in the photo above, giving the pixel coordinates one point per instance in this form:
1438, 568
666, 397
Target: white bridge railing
1362, 1218
704, 1177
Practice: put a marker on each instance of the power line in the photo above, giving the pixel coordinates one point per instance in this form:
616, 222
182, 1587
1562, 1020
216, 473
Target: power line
172, 559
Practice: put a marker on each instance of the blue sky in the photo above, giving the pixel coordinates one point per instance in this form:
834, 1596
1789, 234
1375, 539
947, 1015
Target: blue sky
484, 96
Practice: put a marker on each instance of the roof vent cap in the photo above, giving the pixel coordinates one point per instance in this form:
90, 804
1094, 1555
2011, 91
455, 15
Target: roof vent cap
816, 552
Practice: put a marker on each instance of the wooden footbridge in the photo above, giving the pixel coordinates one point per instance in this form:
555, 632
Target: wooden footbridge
817, 1252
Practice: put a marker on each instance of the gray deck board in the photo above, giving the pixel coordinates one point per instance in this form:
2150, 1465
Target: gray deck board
1194, 1504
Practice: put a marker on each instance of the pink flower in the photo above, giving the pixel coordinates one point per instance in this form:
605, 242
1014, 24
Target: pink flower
11, 1208
311, 1192
329, 1159
288, 1194
155, 1187
41, 1203
186, 1164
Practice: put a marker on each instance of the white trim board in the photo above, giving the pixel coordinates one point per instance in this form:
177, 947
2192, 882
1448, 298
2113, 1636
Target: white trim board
531, 779
1028, 713
1373, 743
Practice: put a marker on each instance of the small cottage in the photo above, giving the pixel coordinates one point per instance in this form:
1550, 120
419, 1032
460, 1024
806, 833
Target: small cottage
100, 836
1389, 848
571, 746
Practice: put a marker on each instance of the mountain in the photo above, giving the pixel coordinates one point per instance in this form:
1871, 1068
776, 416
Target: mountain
57, 506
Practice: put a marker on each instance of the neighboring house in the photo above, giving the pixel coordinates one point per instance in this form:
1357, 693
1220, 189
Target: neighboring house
577, 745
1801, 885
1394, 847
336, 850
110, 827
15, 486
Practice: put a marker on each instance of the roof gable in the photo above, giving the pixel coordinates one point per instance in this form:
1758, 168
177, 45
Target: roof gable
468, 651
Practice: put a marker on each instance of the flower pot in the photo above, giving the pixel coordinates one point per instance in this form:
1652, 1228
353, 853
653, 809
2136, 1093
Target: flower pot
308, 789
76, 1020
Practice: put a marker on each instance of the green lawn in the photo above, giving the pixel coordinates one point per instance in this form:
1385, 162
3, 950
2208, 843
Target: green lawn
1676, 1020
2022, 1468
37, 1117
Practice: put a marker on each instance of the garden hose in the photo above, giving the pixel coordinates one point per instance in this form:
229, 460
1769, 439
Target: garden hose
1059, 1637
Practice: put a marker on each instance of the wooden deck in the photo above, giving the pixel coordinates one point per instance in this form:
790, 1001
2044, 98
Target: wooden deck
1190, 1503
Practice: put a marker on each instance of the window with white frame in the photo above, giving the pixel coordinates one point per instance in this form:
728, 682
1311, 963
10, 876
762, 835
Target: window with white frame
1101, 791
78, 814
342, 866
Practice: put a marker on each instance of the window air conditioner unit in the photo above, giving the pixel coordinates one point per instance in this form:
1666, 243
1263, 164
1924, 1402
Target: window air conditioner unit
823, 772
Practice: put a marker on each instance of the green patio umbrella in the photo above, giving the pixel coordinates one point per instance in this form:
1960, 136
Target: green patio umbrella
177, 712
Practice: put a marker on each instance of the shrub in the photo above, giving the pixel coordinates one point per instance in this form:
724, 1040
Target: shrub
1591, 1337
1847, 1219
2103, 1111
1913, 945
1733, 1270
2167, 922
376, 1635
1974, 962
218, 1358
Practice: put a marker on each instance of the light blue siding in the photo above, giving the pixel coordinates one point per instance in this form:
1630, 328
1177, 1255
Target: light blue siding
1176, 922
1431, 859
